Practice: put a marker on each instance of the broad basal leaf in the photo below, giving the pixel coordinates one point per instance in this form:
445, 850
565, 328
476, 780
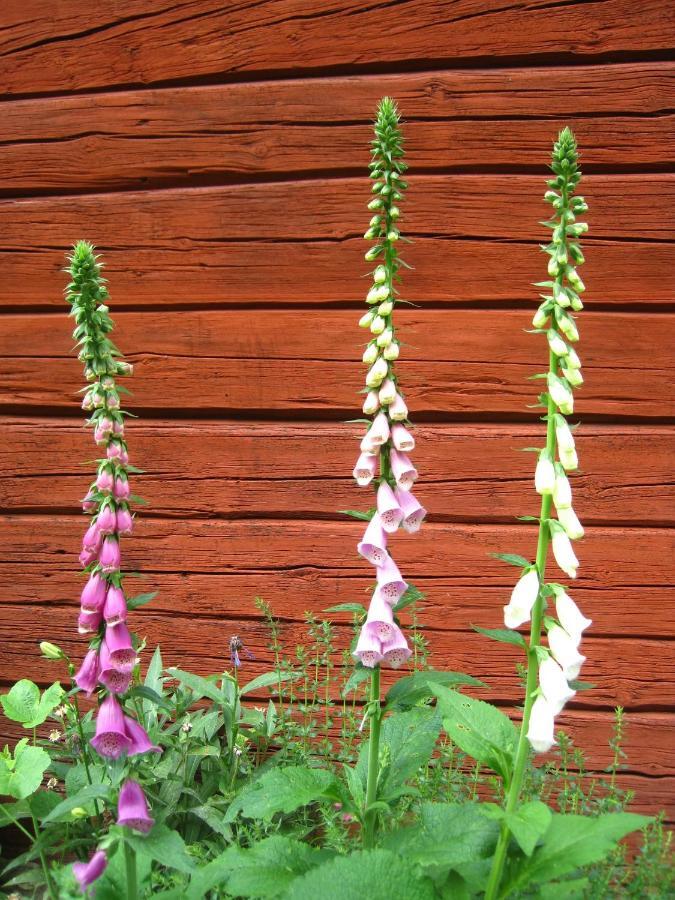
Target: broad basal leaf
280, 790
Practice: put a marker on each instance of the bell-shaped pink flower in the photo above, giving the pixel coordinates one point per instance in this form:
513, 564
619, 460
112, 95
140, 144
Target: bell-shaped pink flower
111, 738
388, 510
89, 503
364, 470
403, 470
396, 650
121, 489
413, 511
125, 522
398, 411
373, 544
368, 649
86, 677
87, 873
105, 425
87, 557
380, 619
377, 434
116, 680
389, 581
132, 808
401, 438
114, 450
105, 480
91, 542
106, 521
140, 742
118, 428
115, 606
109, 557
124, 457
93, 593
88, 401
112, 401
89, 622
118, 642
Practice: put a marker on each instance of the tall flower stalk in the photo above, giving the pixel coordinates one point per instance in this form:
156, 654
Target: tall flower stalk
383, 461
552, 668
108, 667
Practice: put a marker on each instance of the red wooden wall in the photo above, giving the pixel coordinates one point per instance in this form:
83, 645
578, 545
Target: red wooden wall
215, 152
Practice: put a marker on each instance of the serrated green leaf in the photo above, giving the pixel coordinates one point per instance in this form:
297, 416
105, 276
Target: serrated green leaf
479, 729
529, 823
163, 845
409, 739
358, 676
413, 689
280, 790
22, 775
503, 635
200, 686
21, 703
81, 798
49, 700
375, 874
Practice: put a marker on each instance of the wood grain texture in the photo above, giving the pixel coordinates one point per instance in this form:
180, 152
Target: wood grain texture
74, 48
470, 473
178, 247
454, 362
458, 119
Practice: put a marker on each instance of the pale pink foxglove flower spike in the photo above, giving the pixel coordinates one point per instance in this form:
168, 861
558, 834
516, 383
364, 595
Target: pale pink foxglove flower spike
368, 649
396, 651
380, 619
413, 511
390, 584
365, 469
403, 470
373, 545
402, 439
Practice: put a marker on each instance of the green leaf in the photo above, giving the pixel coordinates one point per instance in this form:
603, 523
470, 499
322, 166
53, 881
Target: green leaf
408, 738
446, 835
412, 595
280, 790
141, 600
200, 686
503, 635
529, 823
266, 680
512, 559
355, 785
572, 842
22, 702
348, 607
142, 690
375, 874
479, 729
357, 514
21, 775
49, 700
565, 890
358, 676
413, 689
163, 845
81, 798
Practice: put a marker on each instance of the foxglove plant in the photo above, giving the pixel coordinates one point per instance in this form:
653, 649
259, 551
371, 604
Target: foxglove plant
552, 669
108, 667
383, 460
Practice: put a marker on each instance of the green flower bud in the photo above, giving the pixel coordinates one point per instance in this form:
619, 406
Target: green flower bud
553, 267
385, 309
540, 317
78, 812
378, 325
575, 280
376, 203
568, 328
391, 352
556, 343
574, 376
380, 275
370, 354
385, 338
366, 319
394, 212
393, 235
51, 651
371, 234
572, 360
373, 253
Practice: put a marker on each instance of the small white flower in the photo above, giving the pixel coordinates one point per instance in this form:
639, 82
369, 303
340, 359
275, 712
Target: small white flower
562, 490
385, 338
366, 319
378, 325
377, 373
387, 393
391, 352
572, 360
554, 685
569, 460
570, 522
371, 404
377, 293
544, 474
540, 317
559, 391
570, 616
380, 275
556, 343
523, 598
370, 354
564, 650
542, 722
385, 309
575, 280
574, 376
563, 435
563, 552
568, 328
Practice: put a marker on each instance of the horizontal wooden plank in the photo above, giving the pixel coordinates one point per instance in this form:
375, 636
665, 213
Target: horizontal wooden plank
78, 48
174, 247
485, 117
453, 361
233, 470
615, 666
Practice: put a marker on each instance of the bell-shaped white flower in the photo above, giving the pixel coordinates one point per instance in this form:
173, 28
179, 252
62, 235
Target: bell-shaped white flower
523, 598
559, 391
370, 354
574, 376
366, 319
562, 550
568, 328
570, 616
569, 460
540, 732
387, 393
377, 293
554, 685
563, 434
570, 522
377, 373
380, 275
564, 649
544, 474
562, 490
391, 352
384, 339
572, 360
371, 404
556, 343
378, 325
540, 317
385, 309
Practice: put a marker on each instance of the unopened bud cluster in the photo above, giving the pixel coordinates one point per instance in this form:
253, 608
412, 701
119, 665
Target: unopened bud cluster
561, 662
109, 665
384, 458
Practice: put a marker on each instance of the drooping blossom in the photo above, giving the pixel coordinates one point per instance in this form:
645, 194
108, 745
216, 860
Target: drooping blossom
523, 598
89, 872
132, 807
111, 738
540, 732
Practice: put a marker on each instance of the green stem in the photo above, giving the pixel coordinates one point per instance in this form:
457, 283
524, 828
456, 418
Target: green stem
132, 881
373, 759
43, 861
520, 761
